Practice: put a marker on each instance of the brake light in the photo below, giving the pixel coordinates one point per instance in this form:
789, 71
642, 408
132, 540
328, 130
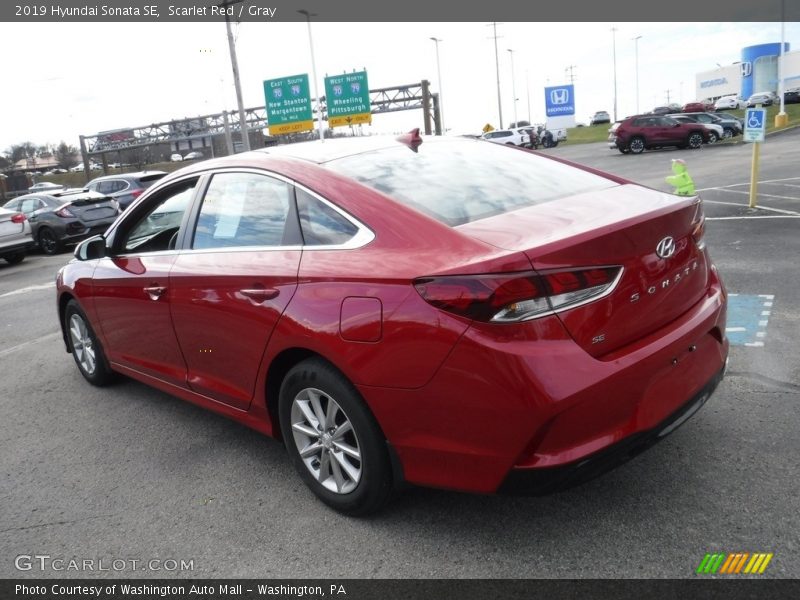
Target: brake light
64, 213
136, 193
699, 227
18, 218
514, 297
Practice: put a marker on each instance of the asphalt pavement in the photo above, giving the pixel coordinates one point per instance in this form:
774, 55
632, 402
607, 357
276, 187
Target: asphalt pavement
129, 473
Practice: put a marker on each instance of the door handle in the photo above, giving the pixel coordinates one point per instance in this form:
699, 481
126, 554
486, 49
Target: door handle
260, 294
155, 292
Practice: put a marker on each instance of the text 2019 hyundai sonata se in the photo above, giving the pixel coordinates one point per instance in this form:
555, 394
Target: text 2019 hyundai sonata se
446, 312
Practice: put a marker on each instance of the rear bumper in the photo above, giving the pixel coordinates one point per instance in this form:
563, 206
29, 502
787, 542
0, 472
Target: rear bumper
537, 482
530, 399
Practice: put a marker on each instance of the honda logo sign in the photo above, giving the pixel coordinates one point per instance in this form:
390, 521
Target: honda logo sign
559, 96
746, 68
559, 100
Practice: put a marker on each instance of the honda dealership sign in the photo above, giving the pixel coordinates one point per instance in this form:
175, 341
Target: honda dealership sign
559, 101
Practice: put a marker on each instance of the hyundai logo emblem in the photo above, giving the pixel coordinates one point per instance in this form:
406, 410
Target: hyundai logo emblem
559, 96
665, 248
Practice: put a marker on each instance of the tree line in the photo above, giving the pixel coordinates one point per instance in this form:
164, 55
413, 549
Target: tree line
64, 154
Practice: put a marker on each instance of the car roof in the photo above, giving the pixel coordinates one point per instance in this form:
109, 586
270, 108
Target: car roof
322, 152
136, 175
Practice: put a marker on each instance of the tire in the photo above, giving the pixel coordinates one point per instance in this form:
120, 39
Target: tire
48, 242
712, 137
14, 259
636, 145
85, 347
695, 140
357, 479
727, 133
624, 150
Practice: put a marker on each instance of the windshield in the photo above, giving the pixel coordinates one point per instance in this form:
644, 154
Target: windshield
457, 182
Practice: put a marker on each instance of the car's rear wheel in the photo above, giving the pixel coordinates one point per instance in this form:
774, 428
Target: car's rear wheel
727, 133
14, 259
695, 140
333, 440
712, 137
85, 347
636, 145
48, 241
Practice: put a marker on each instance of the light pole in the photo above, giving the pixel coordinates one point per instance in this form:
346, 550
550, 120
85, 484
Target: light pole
236, 83
614, 54
528, 94
636, 54
439, 77
308, 15
513, 87
781, 118
497, 70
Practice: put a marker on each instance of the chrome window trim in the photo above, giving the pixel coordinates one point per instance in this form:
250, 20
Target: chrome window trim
363, 236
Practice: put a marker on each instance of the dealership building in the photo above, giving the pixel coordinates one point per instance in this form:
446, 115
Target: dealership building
757, 71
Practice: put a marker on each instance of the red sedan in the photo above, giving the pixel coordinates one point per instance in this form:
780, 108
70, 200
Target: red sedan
451, 313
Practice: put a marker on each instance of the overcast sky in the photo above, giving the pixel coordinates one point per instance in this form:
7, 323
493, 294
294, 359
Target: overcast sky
62, 80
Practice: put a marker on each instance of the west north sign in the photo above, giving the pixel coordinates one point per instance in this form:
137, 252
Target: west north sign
288, 104
348, 101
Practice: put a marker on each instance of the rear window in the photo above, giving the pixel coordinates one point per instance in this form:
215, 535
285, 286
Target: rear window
148, 180
459, 182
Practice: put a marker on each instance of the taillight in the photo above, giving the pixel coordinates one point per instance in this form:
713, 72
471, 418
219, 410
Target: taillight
699, 227
513, 297
18, 218
136, 193
64, 213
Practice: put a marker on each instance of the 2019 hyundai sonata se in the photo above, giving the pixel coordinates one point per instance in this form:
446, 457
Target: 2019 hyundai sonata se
446, 312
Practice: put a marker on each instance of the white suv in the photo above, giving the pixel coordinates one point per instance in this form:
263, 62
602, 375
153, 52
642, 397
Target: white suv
512, 137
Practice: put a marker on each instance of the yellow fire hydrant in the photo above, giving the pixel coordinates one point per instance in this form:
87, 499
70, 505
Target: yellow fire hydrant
681, 180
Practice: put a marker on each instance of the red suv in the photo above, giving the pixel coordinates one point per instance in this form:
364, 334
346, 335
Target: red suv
634, 134
701, 106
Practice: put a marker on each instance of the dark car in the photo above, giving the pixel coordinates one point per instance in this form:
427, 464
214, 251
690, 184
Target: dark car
635, 134
701, 106
443, 312
730, 125
727, 120
791, 97
66, 217
124, 188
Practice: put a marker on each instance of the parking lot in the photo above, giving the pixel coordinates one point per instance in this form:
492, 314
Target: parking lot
128, 472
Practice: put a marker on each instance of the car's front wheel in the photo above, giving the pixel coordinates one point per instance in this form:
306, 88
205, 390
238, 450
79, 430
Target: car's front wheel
333, 440
15, 258
85, 347
712, 137
636, 145
695, 140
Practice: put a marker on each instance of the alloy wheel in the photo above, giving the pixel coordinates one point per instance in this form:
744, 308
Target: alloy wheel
82, 344
326, 441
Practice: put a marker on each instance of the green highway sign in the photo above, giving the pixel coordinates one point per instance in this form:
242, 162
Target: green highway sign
347, 97
288, 104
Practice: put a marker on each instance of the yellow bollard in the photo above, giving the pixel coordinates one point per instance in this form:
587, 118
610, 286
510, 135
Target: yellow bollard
781, 120
754, 175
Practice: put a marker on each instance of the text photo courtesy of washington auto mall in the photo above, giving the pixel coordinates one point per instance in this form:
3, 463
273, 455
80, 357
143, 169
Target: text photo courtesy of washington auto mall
301, 300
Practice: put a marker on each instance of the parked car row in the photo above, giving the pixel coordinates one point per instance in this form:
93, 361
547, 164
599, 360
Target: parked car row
56, 216
642, 132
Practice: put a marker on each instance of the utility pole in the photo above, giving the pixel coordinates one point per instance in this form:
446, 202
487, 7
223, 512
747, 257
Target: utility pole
614, 55
513, 87
439, 77
668, 91
237, 84
497, 70
314, 72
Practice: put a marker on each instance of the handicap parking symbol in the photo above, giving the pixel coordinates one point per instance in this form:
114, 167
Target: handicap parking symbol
755, 119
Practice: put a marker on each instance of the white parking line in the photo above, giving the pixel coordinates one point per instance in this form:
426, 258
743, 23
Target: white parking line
762, 207
752, 218
760, 194
30, 288
42, 338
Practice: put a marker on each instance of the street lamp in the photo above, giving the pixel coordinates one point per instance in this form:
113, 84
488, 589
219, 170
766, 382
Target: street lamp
636, 53
614, 54
439, 77
513, 87
308, 15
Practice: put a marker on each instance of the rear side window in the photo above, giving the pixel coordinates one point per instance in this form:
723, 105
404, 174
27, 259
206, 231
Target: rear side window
147, 180
243, 209
460, 181
321, 224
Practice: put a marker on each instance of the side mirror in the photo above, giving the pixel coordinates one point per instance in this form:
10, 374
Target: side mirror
92, 248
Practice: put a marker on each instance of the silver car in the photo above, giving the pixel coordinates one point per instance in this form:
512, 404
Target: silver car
15, 236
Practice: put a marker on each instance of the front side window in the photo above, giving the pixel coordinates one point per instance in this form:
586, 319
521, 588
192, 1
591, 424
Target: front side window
158, 228
243, 209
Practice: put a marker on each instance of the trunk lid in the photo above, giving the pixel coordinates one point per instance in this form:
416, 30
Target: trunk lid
620, 226
93, 208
